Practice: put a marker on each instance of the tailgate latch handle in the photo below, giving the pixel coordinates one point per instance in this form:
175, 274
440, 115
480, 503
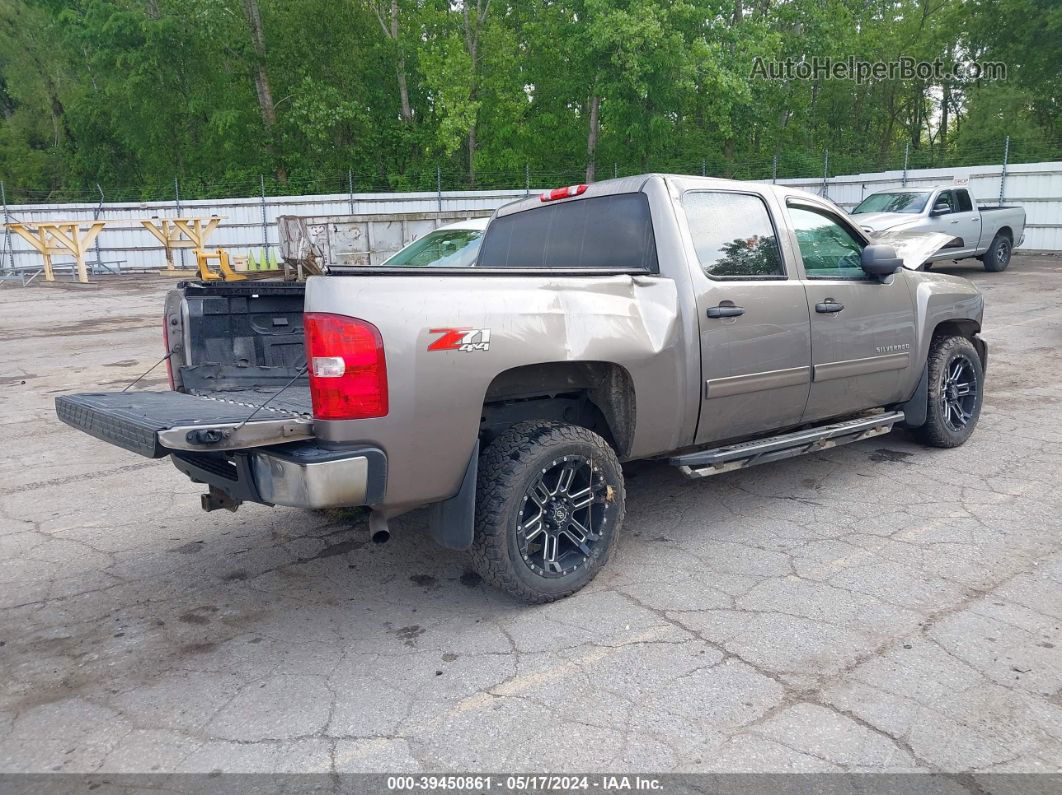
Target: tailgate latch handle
205, 436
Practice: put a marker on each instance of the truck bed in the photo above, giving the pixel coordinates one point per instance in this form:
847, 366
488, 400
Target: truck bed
237, 353
236, 336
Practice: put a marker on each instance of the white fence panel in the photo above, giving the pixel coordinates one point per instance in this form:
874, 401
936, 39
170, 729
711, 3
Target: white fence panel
241, 231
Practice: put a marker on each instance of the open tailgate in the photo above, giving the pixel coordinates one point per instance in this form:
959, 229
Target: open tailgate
154, 424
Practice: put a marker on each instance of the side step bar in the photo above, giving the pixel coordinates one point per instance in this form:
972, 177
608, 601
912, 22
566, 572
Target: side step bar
760, 451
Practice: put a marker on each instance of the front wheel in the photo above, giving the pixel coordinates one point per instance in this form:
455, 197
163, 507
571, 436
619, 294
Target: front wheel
956, 389
549, 505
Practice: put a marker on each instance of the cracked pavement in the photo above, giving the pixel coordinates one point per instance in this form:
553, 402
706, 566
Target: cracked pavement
877, 607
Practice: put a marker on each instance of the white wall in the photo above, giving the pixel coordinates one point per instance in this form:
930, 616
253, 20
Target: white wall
1037, 187
241, 230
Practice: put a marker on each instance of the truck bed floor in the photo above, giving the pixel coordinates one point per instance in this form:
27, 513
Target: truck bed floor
294, 399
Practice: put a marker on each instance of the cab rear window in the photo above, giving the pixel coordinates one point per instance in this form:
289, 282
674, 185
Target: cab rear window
605, 232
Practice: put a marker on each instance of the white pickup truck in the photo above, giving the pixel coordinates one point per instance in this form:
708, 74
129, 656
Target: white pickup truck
988, 233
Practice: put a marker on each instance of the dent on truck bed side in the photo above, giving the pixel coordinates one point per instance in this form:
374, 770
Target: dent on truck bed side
436, 391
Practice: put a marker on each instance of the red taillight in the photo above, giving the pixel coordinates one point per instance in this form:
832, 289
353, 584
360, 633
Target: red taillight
348, 374
563, 193
166, 344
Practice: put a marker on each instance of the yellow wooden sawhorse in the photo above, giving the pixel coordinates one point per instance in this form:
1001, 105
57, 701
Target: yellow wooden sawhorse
59, 237
180, 233
225, 271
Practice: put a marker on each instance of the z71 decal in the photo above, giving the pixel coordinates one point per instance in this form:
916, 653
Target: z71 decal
461, 339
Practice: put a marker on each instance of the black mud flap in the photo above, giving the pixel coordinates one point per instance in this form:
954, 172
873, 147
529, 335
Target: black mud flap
916, 409
133, 420
452, 521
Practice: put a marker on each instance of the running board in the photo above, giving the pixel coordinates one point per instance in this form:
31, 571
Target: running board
775, 448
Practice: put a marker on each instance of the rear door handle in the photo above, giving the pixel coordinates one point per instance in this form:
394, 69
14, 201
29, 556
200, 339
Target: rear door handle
827, 306
725, 310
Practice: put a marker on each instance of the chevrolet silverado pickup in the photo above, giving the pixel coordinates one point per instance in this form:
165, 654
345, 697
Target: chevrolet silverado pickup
988, 233
706, 323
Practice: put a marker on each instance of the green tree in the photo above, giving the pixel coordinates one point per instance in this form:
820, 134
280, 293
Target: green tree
132, 94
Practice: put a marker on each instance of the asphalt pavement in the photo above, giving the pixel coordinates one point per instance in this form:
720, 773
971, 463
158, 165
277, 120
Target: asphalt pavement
877, 607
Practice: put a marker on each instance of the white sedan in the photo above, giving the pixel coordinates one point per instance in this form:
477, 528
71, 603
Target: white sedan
451, 246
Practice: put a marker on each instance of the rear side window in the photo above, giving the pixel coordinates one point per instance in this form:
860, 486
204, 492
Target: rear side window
606, 232
965, 205
733, 235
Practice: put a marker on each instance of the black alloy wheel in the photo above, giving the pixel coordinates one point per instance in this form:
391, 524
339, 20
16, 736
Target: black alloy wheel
563, 518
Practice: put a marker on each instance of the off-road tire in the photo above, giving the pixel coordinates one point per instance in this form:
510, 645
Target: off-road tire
944, 353
997, 258
508, 469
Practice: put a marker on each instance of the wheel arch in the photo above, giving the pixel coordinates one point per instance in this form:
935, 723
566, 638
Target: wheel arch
964, 327
597, 395
943, 407
914, 408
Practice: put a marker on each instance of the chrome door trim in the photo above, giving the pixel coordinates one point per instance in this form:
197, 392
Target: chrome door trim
756, 382
854, 367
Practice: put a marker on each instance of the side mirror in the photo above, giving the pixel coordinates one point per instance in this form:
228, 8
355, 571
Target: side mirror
940, 209
879, 259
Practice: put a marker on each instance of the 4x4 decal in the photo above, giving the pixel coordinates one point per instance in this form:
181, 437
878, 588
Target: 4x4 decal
461, 339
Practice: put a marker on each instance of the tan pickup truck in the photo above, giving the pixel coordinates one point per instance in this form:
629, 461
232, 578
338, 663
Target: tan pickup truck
708, 323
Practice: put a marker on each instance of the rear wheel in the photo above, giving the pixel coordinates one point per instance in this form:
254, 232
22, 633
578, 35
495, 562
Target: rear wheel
997, 258
549, 504
956, 389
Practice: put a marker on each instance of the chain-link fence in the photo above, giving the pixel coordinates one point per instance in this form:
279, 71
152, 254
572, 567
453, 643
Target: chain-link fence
781, 162
249, 209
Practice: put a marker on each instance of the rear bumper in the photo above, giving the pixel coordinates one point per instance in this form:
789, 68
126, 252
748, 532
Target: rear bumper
298, 475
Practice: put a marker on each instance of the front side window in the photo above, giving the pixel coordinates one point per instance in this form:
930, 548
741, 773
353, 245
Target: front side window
829, 250
604, 232
443, 248
733, 235
944, 204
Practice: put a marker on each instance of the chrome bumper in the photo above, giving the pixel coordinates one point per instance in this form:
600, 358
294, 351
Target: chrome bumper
323, 484
299, 475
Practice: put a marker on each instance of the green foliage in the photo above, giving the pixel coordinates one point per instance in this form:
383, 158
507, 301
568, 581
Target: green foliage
448, 77
132, 94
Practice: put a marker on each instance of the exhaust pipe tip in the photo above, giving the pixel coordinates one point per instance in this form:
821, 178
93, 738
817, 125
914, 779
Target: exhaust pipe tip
379, 532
